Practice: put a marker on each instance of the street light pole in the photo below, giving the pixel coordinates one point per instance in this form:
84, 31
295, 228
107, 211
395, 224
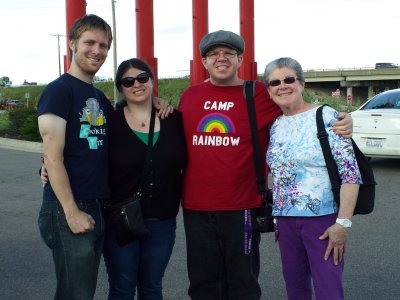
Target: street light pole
114, 47
59, 60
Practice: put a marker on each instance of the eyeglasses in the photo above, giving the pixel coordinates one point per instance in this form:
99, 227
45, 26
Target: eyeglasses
216, 54
130, 81
287, 80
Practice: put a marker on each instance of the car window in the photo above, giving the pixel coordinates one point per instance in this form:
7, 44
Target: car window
383, 101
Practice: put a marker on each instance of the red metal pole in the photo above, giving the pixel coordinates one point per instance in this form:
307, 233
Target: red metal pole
145, 37
248, 70
66, 62
200, 28
74, 9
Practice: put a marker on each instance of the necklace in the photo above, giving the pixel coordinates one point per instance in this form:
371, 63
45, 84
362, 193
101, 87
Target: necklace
141, 122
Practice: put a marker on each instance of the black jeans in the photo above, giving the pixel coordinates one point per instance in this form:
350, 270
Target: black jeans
222, 255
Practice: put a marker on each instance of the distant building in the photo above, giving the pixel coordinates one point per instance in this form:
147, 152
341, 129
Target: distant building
29, 83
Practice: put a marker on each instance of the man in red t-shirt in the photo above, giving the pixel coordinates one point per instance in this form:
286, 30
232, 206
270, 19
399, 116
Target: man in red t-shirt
220, 190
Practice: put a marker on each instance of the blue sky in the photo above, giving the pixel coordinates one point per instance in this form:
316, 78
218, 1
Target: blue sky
320, 34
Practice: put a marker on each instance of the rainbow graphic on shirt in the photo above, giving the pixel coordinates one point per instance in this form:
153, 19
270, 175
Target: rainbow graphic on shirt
216, 123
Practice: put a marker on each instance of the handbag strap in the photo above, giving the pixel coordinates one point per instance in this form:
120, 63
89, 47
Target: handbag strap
148, 161
249, 92
151, 130
327, 152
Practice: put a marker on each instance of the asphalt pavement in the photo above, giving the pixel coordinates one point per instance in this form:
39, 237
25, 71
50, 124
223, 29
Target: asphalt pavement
26, 268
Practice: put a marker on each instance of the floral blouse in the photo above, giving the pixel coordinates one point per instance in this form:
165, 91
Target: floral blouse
301, 185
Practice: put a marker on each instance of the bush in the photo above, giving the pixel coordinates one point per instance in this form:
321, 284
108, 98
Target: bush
4, 121
29, 128
23, 121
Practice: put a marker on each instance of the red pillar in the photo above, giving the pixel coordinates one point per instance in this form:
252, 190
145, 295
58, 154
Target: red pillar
145, 36
74, 9
200, 28
248, 70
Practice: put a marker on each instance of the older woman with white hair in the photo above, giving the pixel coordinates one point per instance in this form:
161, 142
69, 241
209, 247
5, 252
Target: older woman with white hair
311, 230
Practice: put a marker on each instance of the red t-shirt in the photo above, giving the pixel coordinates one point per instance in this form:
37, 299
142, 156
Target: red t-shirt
220, 173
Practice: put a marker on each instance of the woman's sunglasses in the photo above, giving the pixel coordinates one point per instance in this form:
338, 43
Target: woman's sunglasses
130, 81
287, 80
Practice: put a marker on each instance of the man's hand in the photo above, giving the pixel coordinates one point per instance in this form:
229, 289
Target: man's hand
44, 177
337, 236
344, 126
79, 221
164, 108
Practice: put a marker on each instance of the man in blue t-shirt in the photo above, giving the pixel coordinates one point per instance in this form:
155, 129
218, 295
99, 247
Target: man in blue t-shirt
73, 118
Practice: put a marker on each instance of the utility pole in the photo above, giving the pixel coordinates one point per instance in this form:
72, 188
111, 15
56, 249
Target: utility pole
114, 47
59, 60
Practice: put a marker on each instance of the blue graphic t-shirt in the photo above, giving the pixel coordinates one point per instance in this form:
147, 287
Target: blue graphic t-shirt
301, 185
86, 112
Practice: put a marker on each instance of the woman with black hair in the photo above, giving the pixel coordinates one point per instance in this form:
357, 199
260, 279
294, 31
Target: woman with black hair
141, 263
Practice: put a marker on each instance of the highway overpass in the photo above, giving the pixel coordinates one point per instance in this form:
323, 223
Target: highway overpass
356, 84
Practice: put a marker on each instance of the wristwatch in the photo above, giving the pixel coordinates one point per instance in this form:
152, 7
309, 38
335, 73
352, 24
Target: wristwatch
346, 223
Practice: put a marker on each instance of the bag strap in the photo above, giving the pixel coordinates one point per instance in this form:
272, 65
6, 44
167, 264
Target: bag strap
151, 131
326, 150
249, 92
149, 153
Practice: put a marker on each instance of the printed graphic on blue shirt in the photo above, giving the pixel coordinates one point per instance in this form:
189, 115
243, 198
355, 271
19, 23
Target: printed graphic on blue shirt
92, 120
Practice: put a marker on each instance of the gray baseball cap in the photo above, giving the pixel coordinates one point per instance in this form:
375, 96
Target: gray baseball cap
221, 38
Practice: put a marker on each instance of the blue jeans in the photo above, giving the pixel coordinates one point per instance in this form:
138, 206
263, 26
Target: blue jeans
76, 256
222, 255
140, 264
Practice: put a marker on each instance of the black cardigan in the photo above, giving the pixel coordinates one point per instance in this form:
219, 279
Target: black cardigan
127, 156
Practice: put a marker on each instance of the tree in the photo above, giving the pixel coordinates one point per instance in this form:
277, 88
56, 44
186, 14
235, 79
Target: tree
5, 81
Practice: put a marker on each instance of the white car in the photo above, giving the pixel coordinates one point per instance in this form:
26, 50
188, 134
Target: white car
376, 125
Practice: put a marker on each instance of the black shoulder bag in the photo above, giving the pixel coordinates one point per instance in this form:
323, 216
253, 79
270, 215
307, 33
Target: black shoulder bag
264, 218
366, 194
126, 216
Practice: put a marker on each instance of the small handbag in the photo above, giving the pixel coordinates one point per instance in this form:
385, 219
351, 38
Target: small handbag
127, 220
366, 194
264, 218
126, 216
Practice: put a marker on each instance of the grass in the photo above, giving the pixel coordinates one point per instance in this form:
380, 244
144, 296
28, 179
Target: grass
340, 104
171, 89
168, 89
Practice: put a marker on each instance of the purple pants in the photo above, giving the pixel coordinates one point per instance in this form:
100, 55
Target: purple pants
302, 255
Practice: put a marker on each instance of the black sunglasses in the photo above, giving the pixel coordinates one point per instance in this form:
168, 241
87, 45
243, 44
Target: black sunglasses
130, 81
287, 80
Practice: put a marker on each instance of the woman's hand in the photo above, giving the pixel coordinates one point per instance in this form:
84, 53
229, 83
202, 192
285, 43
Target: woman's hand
344, 126
337, 236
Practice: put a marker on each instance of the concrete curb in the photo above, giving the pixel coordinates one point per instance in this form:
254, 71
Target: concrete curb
21, 145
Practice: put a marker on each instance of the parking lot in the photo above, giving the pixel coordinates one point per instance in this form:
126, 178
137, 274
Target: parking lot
26, 269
